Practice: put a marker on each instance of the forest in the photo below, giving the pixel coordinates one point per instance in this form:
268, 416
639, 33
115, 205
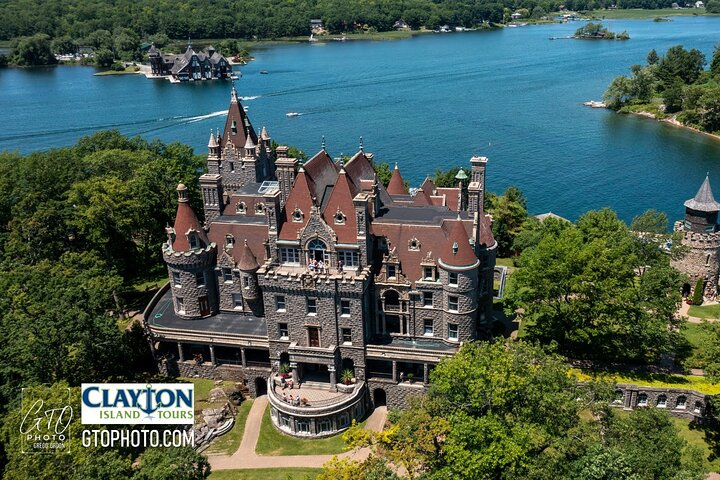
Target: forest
263, 19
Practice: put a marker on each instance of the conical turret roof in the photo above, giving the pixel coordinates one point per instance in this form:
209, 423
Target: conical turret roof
704, 200
213, 142
397, 184
457, 252
186, 221
248, 262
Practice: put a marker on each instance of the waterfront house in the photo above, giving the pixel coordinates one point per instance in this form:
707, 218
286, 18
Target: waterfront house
190, 66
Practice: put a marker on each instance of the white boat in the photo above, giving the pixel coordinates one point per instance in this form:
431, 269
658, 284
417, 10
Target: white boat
234, 77
292, 114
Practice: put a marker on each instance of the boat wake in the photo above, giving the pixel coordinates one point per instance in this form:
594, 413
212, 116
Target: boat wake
200, 118
247, 99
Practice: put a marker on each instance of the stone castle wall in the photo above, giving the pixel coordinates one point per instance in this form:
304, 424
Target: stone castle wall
702, 261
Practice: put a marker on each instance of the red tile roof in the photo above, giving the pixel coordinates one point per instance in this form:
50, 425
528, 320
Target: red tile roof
323, 173
186, 220
341, 199
397, 184
451, 197
248, 262
254, 234
300, 197
457, 251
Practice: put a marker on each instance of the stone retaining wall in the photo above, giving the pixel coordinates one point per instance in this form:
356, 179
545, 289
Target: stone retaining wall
682, 403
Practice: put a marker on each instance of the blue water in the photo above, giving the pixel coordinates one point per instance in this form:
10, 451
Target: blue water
428, 102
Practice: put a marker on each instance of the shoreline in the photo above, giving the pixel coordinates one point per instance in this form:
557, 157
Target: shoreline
672, 121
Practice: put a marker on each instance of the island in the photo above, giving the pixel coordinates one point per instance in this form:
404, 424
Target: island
674, 88
596, 31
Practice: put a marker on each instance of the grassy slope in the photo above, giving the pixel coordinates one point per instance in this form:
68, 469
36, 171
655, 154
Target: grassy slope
266, 474
654, 380
230, 442
704, 311
202, 391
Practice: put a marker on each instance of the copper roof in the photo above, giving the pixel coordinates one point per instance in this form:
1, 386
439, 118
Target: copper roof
703, 200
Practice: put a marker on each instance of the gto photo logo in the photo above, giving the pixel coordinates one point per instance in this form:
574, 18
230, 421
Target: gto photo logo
136, 403
46, 416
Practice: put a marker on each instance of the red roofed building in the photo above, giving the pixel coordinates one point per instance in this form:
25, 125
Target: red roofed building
317, 269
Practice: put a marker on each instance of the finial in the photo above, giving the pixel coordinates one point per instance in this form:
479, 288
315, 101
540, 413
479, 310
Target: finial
246, 242
323, 142
361, 144
342, 164
396, 167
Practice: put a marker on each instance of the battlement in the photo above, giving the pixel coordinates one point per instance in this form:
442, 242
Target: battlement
197, 258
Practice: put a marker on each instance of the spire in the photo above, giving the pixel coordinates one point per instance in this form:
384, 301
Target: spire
233, 94
213, 142
361, 144
248, 261
704, 201
264, 134
249, 144
182, 193
397, 184
323, 142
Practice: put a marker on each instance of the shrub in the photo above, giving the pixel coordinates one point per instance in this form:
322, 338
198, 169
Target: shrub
118, 66
697, 297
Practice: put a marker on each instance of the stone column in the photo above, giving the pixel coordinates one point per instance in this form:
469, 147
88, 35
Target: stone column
394, 371
242, 357
295, 377
425, 373
212, 354
333, 381
180, 352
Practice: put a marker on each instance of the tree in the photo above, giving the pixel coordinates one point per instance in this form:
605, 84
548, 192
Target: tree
100, 39
588, 290
446, 178
682, 64
182, 463
64, 45
707, 356
652, 57
159, 40
509, 212
104, 57
618, 93
34, 50
651, 221
715, 62
673, 96
383, 172
712, 6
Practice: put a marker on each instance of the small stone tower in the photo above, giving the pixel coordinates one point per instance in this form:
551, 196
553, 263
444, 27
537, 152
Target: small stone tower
701, 236
248, 267
190, 258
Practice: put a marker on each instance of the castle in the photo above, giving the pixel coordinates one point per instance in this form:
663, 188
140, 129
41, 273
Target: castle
190, 66
318, 272
702, 239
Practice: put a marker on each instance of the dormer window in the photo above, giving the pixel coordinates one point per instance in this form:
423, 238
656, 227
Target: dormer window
192, 238
233, 127
229, 241
259, 208
391, 271
241, 208
414, 244
297, 215
429, 273
339, 218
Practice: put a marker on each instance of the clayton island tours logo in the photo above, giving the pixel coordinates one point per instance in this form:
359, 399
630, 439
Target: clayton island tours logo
140, 405
46, 418
135, 403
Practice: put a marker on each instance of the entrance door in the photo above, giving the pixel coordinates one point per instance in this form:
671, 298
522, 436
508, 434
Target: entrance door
204, 305
313, 337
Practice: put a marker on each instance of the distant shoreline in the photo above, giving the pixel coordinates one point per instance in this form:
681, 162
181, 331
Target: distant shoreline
672, 120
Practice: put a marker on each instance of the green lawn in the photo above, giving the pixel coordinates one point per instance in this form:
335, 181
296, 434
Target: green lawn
696, 436
230, 442
272, 442
505, 262
266, 474
704, 311
653, 380
642, 14
130, 70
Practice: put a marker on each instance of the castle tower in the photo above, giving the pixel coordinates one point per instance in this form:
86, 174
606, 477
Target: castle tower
701, 236
285, 169
248, 267
397, 184
459, 277
476, 196
190, 259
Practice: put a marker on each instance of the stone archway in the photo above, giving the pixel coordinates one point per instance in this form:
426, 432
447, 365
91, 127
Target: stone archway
686, 289
260, 386
379, 397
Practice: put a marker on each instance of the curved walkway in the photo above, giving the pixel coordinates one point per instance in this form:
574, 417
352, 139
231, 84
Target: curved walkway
245, 456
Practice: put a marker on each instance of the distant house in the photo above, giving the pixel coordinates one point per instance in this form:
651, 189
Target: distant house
401, 25
445, 28
316, 26
675, 6
190, 66
516, 16
699, 4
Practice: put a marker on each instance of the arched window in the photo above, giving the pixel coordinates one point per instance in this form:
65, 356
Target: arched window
339, 218
241, 208
662, 401
229, 241
193, 239
681, 402
642, 400
698, 407
259, 208
317, 250
619, 397
297, 215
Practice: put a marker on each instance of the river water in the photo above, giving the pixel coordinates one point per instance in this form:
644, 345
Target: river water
428, 102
